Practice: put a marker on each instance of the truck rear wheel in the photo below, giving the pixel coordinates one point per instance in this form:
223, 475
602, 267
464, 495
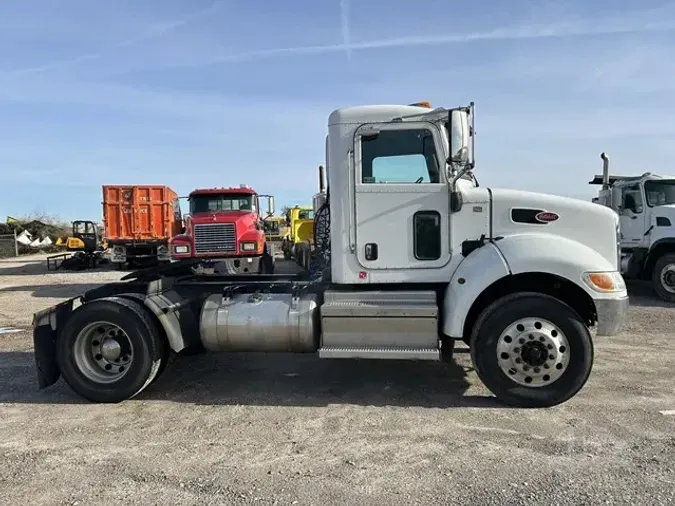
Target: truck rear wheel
532, 350
110, 350
303, 255
663, 277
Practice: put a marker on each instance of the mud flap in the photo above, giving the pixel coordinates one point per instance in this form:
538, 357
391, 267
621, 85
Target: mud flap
44, 343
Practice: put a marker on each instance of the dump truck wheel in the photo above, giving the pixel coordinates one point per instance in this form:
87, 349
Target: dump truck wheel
532, 350
286, 249
307, 256
663, 277
110, 350
297, 253
303, 255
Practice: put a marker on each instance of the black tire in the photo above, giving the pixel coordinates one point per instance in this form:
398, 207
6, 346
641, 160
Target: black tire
657, 280
303, 255
297, 253
149, 357
165, 350
307, 256
266, 263
286, 249
507, 310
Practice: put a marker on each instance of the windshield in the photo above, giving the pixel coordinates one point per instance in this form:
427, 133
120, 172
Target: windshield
209, 203
306, 215
660, 192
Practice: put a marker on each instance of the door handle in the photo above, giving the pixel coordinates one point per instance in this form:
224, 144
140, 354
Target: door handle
371, 251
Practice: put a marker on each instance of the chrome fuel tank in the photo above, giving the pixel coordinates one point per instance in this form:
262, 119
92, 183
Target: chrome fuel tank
277, 322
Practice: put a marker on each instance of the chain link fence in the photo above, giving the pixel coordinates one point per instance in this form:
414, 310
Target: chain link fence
8, 246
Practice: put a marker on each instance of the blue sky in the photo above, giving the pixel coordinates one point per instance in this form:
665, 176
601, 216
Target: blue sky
194, 93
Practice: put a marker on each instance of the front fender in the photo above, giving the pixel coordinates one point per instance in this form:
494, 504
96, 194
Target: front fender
519, 254
554, 254
475, 273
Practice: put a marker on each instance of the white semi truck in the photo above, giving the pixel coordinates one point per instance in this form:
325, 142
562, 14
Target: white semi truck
411, 255
646, 208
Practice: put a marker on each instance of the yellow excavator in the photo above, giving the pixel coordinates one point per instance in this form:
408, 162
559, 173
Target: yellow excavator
274, 226
83, 248
297, 242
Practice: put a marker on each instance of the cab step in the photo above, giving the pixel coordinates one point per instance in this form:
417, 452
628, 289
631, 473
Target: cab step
380, 353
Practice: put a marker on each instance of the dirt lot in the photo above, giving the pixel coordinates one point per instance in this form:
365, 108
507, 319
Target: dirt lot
258, 429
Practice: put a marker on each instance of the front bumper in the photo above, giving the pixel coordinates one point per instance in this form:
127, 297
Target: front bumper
611, 315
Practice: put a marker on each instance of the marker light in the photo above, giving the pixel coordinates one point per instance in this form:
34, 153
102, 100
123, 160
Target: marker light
605, 281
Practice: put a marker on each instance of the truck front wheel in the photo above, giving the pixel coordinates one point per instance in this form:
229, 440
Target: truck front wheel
110, 350
266, 263
531, 350
663, 277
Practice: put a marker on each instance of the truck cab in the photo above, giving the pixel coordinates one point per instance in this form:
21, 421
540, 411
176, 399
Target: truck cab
645, 205
297, 242
226, 225
411, 255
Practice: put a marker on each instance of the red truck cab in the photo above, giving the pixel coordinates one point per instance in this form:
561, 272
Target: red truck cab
226, 225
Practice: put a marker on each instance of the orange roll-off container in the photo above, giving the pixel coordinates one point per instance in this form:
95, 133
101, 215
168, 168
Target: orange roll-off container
140, 217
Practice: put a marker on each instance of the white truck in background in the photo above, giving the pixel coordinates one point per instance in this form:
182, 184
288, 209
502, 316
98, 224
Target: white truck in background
411, 255
646, 208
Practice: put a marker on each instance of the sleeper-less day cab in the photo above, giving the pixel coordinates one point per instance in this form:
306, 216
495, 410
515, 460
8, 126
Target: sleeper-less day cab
411, 254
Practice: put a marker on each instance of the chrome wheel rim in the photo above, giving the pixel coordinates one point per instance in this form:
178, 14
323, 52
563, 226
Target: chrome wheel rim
668, 278
533, 352
103, 352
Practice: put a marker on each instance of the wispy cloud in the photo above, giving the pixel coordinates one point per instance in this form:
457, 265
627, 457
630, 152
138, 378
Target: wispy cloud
547, 107
344, 25
155, 31
652, 20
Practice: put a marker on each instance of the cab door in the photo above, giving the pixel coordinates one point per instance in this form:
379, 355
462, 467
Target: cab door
400, 195
632, 217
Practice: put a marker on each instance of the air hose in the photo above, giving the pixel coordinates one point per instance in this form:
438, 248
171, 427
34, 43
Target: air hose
321, 258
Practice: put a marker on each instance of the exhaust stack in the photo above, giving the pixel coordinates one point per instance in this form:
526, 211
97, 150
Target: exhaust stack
322, 179
605, 171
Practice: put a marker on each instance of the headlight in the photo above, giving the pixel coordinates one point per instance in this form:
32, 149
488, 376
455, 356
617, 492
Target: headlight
605, 281
248, 246
181, 250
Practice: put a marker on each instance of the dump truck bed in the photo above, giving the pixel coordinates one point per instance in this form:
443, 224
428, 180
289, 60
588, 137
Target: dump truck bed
140, 212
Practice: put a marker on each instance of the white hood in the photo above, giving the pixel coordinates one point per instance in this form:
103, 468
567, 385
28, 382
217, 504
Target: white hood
520, 212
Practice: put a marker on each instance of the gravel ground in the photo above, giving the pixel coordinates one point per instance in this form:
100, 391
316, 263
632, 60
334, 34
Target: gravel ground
262, 429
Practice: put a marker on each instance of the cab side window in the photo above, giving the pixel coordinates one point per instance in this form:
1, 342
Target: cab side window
632, 199
399, 156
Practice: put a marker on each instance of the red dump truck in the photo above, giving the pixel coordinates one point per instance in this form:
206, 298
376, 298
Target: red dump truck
138, 222
226, 226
